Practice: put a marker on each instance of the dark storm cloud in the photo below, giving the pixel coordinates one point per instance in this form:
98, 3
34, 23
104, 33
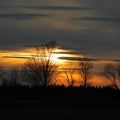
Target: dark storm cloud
21, 16
63, 8
98, 19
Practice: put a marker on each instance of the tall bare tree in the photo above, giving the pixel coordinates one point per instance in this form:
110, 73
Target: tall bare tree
86, 66
111, 72
69, 73
118, 70
41, 67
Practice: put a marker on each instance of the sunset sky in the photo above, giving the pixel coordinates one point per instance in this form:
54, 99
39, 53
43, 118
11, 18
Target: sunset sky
83, 26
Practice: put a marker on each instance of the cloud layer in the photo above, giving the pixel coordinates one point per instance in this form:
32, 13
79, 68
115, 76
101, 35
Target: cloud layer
87, 26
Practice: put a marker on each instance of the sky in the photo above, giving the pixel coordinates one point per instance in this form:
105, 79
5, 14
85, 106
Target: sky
85, 26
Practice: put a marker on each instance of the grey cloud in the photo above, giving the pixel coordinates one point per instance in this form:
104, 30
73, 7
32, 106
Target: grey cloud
21, 16
85, 42
63, 8
77, 58
98, 19
66, 52
89, 30
116, 60
110, 8
14, 35
69, 58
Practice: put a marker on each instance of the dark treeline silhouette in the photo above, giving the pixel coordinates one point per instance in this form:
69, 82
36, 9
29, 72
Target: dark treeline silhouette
59, 95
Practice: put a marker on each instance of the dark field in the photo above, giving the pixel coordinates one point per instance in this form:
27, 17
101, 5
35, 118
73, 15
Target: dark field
36, 111
59, 103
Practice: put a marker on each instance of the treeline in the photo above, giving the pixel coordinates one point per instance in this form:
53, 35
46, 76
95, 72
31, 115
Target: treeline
42, 70
60, 95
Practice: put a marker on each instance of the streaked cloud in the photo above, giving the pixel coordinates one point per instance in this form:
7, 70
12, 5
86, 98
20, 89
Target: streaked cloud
21, 16
98, 19
17, 57
58, 8
77, 59
89, 30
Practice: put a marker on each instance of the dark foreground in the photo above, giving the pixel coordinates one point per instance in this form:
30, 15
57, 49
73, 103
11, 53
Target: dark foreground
33, 111
59, 104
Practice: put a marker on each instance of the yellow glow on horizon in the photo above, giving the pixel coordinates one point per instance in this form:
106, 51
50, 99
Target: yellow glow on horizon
12, 58
17, 58
96, 81
9, 59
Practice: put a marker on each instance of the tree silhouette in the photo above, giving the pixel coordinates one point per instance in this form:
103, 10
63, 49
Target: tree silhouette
3, 76
1, 73
69, 74
13, 76
85, 70
41, 67
111, 72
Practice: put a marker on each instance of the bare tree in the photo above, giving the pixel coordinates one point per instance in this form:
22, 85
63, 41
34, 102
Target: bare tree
85, 65
69, 73
1, 72
111, 72
13, 76
118, 70
3, 76
9, 77
41, 68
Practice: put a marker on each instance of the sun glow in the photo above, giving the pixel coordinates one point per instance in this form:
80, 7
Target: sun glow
58, 53
19, 57
62, 57
13, 58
